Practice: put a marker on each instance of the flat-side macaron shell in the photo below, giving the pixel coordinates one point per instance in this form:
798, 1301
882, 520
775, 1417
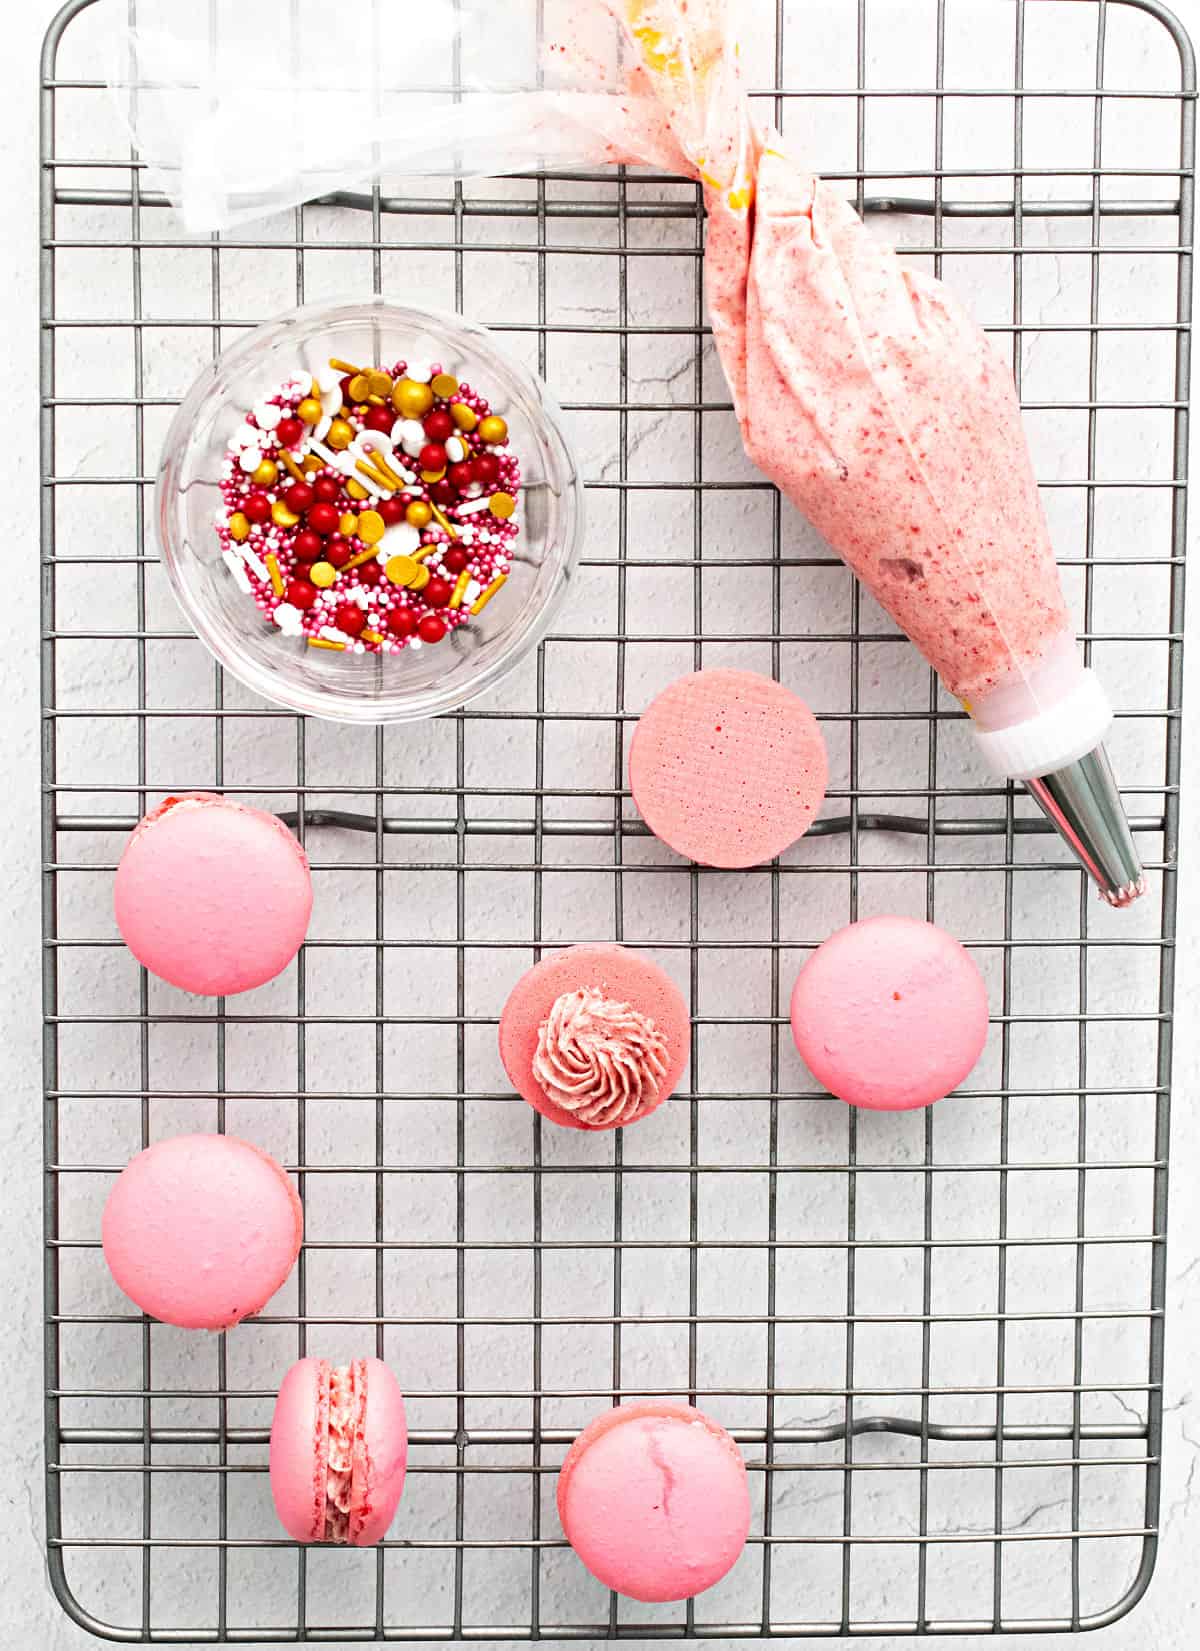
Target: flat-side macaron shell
728, 768
201, 1230
890, 1013
211, 896
381, 1465
621, 975
654, 1500
300, 1450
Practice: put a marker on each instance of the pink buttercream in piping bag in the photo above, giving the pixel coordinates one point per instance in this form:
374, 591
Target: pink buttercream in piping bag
904, 445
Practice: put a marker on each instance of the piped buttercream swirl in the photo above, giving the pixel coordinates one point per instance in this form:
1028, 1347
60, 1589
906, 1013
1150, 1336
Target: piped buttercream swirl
602, 1061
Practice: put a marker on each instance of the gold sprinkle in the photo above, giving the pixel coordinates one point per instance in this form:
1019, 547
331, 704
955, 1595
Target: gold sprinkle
359, 387
379, 383
267, 474
430, 476
443, 521
356, 490
460, 588
324, 642
402, 570
370, 636
290, 465
381, 464
502, 505
343, 367
422, 551
481, 602
465, 418
376, 401
369, 470
367, 555
312, 464
310, 410
371, 527
422, 579
444, 386
282, 516
239, 527
272, 562
348, 524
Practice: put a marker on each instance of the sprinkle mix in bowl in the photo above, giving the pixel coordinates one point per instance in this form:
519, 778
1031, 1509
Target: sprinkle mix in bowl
370, 510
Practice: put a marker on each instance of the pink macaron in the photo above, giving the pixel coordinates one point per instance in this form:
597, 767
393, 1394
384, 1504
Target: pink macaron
728, 768
890, 1013
212, 896
201, 1230
595, 1037
654, 1500
339, 1449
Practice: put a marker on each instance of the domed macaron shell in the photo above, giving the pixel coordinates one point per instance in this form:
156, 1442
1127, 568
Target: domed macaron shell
654, 1500
300, 1451
621, 975
890, 1013
212, 896
200, 1231
728, 768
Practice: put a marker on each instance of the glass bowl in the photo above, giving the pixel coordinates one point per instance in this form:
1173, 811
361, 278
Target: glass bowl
367, 687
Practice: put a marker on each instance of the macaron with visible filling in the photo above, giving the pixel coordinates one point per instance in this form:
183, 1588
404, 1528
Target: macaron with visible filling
654, 1500
339, 1450
595, 1037
890, 1013
201, 1230
212, 896
728, 768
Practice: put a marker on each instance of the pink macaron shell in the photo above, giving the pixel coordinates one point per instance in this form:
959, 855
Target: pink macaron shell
381, 1464
654, 1500
300, 1450
200, 1231
890, 1013
728, 768
212, 896
621, 975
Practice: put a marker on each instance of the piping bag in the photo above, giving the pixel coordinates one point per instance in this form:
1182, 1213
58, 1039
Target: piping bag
905, 446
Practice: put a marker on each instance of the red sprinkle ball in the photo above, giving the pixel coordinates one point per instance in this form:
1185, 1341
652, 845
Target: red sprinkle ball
372, 509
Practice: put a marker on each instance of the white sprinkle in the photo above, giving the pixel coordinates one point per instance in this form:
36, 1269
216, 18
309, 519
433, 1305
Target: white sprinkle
226, 470
401, 540
329, 379
268, 415
251, 459
475, 489
234, 563
472, 591
332, 634
244, 436
315, 445
219, 517
257, 568
419, 371
473, 507
455, 451
289, 619
324, 425
411, 437
359, 595
415, 643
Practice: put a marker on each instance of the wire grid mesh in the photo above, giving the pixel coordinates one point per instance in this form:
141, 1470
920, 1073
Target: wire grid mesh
938, 1338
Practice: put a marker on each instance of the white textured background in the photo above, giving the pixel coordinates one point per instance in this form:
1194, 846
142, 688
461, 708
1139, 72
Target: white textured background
28, 1615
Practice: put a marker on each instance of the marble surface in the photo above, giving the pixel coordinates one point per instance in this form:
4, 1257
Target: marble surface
28, 1614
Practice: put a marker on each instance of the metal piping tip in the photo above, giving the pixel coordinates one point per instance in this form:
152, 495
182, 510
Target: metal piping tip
1085, 807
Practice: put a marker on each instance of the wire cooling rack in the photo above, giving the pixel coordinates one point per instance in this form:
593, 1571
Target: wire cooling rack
938, 1338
